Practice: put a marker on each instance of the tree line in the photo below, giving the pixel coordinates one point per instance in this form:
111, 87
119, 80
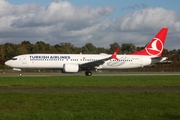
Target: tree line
9, 50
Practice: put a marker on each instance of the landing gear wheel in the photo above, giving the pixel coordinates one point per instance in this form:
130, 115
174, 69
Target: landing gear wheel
88, 73
20, 74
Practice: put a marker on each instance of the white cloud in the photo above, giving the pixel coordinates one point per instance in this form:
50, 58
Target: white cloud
63, 22
148, 22
153, 18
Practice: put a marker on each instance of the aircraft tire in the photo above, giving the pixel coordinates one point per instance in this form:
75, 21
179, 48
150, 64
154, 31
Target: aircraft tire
20, 74
88, 73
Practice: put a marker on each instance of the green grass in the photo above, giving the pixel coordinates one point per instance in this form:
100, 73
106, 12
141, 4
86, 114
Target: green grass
89, 106
90, 82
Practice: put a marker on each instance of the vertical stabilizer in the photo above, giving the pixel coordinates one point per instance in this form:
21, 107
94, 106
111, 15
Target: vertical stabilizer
155, 47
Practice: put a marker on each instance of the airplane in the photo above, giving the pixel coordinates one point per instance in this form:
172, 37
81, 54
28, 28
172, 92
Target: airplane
73, 63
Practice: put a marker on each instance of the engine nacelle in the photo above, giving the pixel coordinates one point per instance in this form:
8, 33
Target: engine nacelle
71, 68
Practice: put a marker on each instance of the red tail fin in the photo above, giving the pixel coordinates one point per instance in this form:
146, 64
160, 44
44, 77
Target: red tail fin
155, 47
115, 53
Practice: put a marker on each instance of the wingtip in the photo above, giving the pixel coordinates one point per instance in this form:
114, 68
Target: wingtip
114, 55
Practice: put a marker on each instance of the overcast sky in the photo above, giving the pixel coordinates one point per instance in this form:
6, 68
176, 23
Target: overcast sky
95, 21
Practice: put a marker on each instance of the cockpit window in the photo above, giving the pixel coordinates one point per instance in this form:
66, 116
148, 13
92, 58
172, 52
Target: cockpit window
14, 58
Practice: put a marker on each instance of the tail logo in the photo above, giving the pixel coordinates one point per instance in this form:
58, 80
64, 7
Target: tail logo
155, 47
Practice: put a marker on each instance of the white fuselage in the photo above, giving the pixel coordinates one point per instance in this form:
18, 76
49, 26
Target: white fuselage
56, 61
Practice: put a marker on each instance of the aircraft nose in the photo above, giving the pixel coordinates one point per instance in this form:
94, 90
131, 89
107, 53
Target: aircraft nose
8, 63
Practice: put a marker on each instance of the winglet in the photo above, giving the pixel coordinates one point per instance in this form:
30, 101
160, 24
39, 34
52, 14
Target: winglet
115, 53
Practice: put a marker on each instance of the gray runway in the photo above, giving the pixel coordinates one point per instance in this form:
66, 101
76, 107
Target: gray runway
95, 74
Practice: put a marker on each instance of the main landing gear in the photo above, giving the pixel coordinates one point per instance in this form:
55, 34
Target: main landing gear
88, 73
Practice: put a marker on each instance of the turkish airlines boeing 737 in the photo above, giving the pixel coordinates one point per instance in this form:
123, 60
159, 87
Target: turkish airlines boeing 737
73, 63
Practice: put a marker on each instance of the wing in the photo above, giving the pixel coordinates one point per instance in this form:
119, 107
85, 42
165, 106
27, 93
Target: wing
93, 64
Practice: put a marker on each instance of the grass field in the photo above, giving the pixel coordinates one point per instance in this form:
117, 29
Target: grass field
90, 105
90, 82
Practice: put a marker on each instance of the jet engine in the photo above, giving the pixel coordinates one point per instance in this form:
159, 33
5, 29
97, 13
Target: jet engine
71, 68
